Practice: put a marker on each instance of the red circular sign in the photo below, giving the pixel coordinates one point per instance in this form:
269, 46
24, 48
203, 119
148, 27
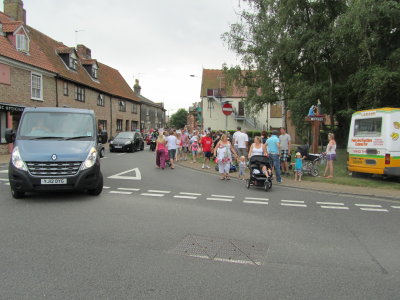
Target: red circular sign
227, 109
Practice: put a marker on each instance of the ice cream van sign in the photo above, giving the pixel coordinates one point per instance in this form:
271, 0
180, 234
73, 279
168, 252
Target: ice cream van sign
360, 142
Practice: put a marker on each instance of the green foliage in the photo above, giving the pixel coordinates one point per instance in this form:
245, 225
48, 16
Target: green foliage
179, 119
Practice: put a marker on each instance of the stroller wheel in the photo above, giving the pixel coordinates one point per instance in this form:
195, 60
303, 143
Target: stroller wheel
314, 172
248, 183
267, 185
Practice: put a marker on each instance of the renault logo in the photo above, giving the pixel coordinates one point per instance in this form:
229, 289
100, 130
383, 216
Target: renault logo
54, 157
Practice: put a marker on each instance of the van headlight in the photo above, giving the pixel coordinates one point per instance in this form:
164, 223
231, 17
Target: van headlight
90, 159
17, 160
128, 142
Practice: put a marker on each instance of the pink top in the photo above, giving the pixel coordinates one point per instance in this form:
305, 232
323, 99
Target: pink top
161, 146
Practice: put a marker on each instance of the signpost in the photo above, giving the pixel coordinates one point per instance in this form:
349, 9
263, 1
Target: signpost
227, 110
315, 121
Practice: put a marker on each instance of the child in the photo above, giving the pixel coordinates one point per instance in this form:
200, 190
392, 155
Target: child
242, 167
194, 147
298, 166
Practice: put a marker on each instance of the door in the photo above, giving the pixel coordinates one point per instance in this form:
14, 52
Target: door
241, 109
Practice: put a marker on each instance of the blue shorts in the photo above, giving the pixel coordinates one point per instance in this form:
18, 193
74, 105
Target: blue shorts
331, 157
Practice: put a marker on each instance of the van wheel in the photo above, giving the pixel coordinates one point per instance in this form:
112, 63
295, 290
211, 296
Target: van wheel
17, 194
97, 191
102, 153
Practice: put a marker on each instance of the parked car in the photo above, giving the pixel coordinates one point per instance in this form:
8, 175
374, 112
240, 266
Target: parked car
127, 141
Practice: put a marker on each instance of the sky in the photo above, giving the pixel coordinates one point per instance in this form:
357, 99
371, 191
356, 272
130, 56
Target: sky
159, 42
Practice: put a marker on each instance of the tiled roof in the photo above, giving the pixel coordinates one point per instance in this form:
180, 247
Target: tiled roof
44, 53
144, 100
215, 79
88, 61
11, 26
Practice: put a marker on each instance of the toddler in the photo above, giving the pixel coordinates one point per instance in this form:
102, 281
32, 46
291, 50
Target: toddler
298, 166
242, 167
194, 147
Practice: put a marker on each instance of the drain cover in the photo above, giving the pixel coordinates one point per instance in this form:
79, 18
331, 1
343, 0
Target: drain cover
218, 249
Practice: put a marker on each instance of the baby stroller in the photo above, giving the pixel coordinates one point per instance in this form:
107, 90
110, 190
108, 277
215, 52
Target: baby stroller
257, 178
311, 162
167, 160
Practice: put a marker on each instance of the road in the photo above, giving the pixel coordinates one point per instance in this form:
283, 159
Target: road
184, 234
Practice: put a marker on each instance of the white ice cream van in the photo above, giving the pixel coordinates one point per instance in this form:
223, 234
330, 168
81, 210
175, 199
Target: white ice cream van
374, 142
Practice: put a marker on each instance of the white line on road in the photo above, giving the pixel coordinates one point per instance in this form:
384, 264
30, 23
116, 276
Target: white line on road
119, 192
330, 203
157, 191
334, 207
220, 199
190, 194
255, 202
119, 154
4, 171
293, 204
368, 205
2, 179
396, 207
7, 183
223, 196
128, 189
152, 195
106, 187
185, 197
374, 209
293, 201
261, 199
137, 176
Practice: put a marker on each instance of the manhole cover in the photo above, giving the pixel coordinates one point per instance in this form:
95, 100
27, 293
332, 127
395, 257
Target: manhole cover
218, 249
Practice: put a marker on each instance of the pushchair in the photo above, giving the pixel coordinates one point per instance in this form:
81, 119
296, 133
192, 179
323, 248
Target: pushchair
312, 161
257, 177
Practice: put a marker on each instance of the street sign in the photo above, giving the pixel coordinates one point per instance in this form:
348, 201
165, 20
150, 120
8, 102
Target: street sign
227, 109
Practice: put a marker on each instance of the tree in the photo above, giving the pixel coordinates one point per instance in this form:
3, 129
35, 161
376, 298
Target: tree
179, 119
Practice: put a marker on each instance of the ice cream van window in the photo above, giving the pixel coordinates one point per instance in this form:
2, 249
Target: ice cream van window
368, 127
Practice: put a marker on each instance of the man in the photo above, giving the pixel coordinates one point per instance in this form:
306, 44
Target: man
284, 141
172, 143
206, 145
234, 141
185, 144
273, 152
242, 141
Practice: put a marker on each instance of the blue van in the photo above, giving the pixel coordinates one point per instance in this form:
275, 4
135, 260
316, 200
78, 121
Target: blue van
55, 149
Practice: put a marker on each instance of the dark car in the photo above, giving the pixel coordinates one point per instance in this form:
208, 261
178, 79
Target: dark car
127, 141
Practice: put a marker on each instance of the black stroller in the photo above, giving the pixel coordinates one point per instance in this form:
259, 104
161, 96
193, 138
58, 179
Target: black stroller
257, 177
311, 162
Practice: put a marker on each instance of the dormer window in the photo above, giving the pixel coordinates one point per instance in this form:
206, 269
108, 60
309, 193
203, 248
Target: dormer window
73, 63
95, 71
22, 43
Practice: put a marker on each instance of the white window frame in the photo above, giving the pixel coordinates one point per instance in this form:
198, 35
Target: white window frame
21, 43
33, 97
95, 71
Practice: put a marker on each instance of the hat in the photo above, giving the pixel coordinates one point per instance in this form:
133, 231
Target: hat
298, 153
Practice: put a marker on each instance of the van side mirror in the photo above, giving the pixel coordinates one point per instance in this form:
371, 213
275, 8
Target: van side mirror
9, 135
103, 137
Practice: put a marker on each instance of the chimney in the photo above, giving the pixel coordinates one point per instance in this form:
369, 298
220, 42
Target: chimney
137, 87
15, 9
84, 52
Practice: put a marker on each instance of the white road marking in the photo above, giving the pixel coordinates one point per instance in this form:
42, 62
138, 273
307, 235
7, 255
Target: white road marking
152, 195
334, 207
137, 176
330, 203
261, 199
293, 201
106, 187
220, 199
374, 209
4, 171
128, 189
223, 196
293, 204
119, 192
185, 197
157, 191
121, 154
396, 207
190, 194
255, 202
7, 183
2, 179
368, 205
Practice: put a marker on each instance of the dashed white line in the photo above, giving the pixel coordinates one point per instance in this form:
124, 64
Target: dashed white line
330, 203
334, 207
4, 171
119, 154
7, 183
223, 196
185, 197
128, 189
152, 195
120, 192
368, 205
255, 202
157, 191
220, 199
294, 204
190, 194
106, 187
396, 207
374, 209
3, 179
261, 199
292, 201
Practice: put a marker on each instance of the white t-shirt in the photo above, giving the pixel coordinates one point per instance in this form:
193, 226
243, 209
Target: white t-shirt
171, 142
235, 136
284, 140
241, 140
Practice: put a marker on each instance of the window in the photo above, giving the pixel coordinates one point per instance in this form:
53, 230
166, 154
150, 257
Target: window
127, 125
36, 86
122, 105
94, 72
65, 88
371, 127
100, 100
73, 62
276, 111
22, 43
134, 108
134, 125
103, 125
119, 125
79, 93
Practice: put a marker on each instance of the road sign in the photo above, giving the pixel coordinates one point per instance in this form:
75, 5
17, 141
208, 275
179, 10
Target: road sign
227, 109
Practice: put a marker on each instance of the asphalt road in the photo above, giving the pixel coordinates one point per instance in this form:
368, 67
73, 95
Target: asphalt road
184, 234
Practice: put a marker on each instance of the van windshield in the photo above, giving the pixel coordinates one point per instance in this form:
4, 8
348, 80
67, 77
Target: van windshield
42, 125
368, 127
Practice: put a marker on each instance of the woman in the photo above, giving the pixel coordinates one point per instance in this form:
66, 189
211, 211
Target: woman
258, 148
223, 151
179, 149
160, 151
330, 155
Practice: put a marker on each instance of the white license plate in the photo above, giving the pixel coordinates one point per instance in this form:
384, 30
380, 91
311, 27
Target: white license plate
117, 147
54, 181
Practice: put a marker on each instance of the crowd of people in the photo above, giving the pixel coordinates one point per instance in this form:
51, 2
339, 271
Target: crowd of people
176, 145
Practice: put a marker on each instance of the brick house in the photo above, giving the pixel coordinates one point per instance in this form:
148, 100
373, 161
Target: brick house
36, 70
